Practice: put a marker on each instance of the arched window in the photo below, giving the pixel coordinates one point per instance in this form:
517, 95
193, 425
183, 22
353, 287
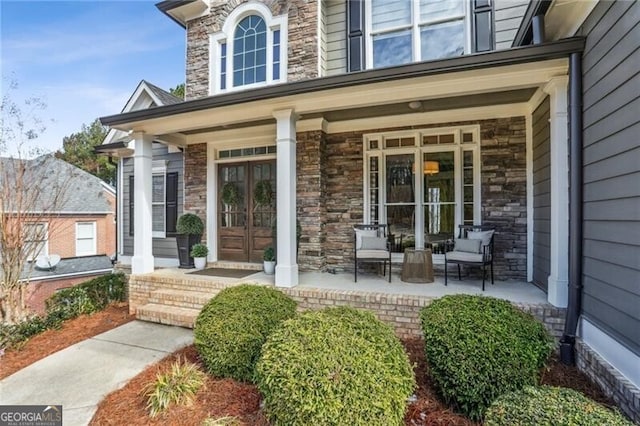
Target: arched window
251, 49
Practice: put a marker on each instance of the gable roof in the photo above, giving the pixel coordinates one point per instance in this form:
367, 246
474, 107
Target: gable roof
145, 96
81, 192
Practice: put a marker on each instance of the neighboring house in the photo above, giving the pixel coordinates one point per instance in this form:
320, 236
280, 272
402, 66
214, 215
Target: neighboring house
167, 181
423, 115
80, 227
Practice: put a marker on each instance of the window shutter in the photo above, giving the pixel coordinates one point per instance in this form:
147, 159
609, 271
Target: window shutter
355, 35
482, 23
131, 191
171, 203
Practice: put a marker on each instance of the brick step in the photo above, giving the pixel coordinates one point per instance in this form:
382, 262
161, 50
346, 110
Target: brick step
225, 264
197, 283
181, 298
170, 315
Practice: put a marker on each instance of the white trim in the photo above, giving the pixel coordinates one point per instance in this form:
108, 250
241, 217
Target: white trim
529, 177
212, 204
159, 262
73, 274
94, 250
565, 17
142, 261
611, 350
120, 210
226, 36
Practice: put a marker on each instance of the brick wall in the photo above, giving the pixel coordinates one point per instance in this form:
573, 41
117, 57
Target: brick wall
195, 181
611, 382
302, 48
39, 291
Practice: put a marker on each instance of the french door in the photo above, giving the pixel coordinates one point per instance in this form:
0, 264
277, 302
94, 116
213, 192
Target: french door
246, 209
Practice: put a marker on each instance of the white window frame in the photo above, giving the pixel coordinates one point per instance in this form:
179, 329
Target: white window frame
226, 36
159, 169
418, 150
94, 249
45, 249
415, 27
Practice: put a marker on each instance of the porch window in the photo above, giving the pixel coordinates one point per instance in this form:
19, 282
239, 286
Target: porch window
423, 183
250, 50
36, 237
86, 239
403, 31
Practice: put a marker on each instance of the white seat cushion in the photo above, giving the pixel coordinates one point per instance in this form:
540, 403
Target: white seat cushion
372, 254
464, 256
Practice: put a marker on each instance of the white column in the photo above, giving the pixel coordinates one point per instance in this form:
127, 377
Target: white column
286, 266
142, 261
558, 282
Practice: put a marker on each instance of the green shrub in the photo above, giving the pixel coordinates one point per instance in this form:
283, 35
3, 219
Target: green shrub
177, 386
232, 327
85, 298
479, 348
189, 224
199, 250
547, 405
335, 366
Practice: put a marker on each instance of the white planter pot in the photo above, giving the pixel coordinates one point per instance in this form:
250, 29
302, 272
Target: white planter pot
200, 262
269, 267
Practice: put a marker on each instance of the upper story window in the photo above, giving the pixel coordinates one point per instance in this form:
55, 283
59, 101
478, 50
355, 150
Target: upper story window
251, 50
403, 31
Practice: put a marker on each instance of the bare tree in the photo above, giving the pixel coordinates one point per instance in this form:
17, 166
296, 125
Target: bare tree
32, 195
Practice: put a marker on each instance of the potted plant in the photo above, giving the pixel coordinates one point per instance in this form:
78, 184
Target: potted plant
189, 233
269, 257
199, 253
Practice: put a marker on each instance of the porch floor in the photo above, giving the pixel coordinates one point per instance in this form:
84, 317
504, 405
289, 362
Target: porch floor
511, 290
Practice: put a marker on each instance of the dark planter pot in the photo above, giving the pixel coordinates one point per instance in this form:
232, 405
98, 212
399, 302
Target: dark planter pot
185, 243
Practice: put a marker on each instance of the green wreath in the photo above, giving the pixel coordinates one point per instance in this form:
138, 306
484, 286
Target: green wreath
263, 193
229, 194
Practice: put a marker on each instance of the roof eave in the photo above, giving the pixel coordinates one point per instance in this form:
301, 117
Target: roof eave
534, 53
524, 35
167, 6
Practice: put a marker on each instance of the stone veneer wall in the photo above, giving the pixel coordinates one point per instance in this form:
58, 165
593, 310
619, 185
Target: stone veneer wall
195, 180
311, 199
503, 181
302, 47
613, 384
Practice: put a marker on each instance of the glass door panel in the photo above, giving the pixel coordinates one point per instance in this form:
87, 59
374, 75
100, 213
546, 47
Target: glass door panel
400, 195
439, 196
232, 205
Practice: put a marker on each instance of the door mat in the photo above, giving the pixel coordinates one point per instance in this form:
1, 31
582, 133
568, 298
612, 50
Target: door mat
222, 272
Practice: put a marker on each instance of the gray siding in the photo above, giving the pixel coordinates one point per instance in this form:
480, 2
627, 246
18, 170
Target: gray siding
541, 195
611, 269
322, 15
508, 17
162, 247
336, 19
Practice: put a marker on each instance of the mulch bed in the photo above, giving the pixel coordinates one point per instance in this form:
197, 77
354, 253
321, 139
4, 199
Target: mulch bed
71, 332
225, 397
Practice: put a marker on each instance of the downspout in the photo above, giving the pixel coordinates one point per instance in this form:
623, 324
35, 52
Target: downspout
114, 259
574, 307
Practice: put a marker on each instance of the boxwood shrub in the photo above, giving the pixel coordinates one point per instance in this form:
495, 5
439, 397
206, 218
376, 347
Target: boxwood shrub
335, 366
478, 348
547, 405
232, 327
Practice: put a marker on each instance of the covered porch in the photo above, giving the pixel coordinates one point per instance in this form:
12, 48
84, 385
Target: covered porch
350, 149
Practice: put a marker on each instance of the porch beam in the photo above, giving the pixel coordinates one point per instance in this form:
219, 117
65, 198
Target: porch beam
558, 282
142, 261
286, 266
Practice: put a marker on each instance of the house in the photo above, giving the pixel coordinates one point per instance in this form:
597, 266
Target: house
67, 213
423, 115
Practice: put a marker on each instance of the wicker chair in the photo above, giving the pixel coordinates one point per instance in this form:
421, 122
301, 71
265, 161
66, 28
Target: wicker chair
371, 245
474, 247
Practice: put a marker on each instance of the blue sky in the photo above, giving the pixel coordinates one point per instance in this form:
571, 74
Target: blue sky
85, 58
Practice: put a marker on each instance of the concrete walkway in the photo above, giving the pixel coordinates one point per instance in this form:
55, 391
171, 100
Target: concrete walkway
80, 376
